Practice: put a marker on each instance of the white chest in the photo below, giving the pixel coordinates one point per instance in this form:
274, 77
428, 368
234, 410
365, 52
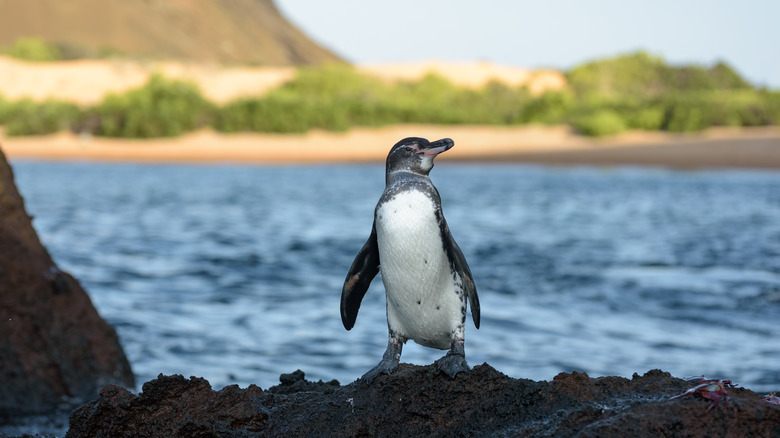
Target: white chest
423, 303
408, 235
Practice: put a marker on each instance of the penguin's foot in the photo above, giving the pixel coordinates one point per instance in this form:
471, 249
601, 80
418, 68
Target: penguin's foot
384, 367
455, 360
452, 364
387, 365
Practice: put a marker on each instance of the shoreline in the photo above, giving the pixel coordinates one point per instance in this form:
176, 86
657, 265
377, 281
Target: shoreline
86, 82
556, 145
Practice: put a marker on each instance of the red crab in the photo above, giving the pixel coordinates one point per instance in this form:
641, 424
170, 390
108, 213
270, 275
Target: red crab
771, 399
711, 389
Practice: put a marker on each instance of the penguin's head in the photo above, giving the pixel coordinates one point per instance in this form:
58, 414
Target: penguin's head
416, 154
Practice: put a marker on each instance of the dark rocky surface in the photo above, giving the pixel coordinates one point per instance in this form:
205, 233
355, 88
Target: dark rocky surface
55, 349
420, 401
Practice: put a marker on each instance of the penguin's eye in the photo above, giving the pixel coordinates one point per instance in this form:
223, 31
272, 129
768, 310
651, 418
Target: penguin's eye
408, 149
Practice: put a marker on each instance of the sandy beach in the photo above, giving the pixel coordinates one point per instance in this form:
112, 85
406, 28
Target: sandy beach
717, 147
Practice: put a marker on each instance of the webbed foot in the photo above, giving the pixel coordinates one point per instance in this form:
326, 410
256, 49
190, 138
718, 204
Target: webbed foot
387, 365
454, 361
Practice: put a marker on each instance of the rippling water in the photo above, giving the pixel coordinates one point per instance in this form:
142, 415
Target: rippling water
234, 273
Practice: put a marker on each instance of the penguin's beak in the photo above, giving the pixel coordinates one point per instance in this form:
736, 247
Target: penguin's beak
435, 148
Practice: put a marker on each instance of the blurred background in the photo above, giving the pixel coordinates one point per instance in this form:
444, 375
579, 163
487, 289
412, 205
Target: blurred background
233, 272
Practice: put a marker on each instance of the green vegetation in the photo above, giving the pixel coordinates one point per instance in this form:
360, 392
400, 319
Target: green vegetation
643, 75
37, 49
646, 93
34, 49
337, 97
599, 123
27, 117
162, 108
605, 97
332, 97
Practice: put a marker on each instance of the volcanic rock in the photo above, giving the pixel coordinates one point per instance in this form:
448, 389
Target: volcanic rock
54, 346
420, 401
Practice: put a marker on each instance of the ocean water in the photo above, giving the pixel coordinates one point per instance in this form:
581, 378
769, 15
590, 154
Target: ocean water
234, 273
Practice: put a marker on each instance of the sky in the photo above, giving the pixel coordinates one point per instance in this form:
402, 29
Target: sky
548, 33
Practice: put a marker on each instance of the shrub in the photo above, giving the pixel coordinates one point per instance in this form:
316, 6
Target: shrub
275, 114
501, 104
698, 78
332, 81
550, 107
432, 99
697, 111
333, 97
641, 74
751, 108
772, 99
337, 97
37, 118
685, 119
34, 49
624, 75
161, 108
649, 118
5, 107
728, 78
600, 123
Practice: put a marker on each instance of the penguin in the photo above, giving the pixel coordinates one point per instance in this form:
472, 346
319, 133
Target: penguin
426, 277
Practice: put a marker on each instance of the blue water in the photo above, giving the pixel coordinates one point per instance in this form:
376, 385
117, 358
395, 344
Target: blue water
234, 273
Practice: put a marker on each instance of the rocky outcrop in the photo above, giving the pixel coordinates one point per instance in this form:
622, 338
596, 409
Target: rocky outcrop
420, 401
54, 346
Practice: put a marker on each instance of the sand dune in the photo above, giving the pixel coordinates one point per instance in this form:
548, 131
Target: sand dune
470, 74
87, 82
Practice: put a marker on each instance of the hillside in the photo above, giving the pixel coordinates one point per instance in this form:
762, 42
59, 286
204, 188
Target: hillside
234, 31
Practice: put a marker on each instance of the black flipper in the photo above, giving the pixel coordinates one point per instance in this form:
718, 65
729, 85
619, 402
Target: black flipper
460, 266
363, 270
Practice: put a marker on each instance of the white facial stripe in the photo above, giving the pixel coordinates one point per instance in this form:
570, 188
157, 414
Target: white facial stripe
427, 162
